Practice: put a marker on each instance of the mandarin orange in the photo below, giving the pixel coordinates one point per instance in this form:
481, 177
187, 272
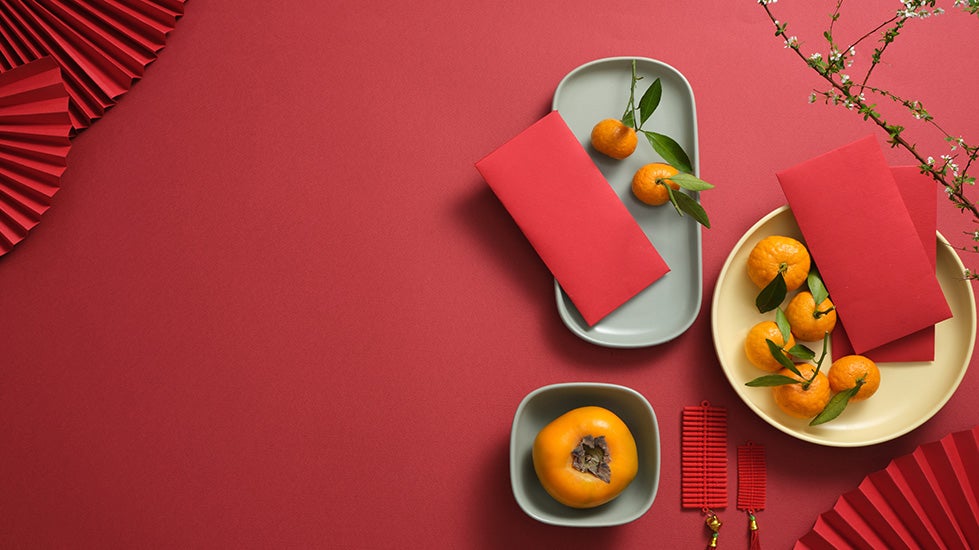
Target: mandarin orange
756, 347
649, 183
613, 138
803, 400
810, 322
779, 254
845, 371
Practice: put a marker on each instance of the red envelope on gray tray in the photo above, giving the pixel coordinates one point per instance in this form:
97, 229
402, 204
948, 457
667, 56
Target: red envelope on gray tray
572, 217
865, 244
918, 192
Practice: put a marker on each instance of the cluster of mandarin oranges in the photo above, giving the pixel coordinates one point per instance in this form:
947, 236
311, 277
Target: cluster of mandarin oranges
857, 375
615, 139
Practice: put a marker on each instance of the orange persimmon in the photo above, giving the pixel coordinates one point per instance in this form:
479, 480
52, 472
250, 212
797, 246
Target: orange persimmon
586, 457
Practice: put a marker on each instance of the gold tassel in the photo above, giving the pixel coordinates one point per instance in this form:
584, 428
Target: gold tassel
714, 524
755, 540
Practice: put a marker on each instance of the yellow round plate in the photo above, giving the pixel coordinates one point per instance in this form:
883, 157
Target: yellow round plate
909, 394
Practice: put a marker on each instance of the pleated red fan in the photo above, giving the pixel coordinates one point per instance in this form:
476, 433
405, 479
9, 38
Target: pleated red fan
927, 499
102, 46
34, 143
703, 469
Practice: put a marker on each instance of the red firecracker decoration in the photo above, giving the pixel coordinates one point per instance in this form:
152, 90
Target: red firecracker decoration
704, 463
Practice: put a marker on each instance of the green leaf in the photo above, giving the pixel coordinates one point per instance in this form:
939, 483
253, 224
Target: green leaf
670, 150
629, 117
836, 405
782, 359
772, 380
772, 295
685, 204
691, 182
650, 101
783, 324
802, 352
816, 286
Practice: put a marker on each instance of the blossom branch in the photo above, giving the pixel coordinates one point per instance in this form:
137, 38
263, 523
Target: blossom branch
843, 90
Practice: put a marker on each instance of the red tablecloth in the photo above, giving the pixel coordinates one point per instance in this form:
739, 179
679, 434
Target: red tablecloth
274, 304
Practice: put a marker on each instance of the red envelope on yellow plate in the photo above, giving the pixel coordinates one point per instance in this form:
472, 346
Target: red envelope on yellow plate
918, 192
865, 244
572, 217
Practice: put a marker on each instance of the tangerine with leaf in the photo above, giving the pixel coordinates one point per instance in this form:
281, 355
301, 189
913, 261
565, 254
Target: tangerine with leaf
650, 183
853, 378
855, 371
801, 391
807, 397
657, 183
778, 254
811, 313
756, 343
809, 320
777, 264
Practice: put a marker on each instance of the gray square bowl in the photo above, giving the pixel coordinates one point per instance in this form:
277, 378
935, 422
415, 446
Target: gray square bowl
543, 405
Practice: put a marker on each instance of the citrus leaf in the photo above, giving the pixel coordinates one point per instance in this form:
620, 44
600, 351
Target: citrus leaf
772, 380
687, 205
670, 150
836, 405
783, 324
691, 182
802, 352
629, 117
816, 286
780, 356
671, 193
650, 100
772, 295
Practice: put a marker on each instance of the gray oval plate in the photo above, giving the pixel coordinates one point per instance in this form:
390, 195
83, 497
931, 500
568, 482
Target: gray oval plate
664, 310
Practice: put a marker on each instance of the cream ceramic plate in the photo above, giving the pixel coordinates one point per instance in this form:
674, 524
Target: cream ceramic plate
910, 393
665, 309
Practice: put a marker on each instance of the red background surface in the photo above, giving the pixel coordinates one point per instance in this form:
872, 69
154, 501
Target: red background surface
274, 305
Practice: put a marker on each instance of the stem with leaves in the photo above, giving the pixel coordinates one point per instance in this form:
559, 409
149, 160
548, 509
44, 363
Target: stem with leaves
667, 148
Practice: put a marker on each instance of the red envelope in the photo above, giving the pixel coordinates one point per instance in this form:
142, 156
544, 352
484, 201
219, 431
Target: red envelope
918, 192
572, 217
862, 238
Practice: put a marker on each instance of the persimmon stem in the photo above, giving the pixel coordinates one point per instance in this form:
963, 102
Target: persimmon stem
591, 456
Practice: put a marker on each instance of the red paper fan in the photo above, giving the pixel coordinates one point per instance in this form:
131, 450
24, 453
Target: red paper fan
102, 46
34, 142
927, 499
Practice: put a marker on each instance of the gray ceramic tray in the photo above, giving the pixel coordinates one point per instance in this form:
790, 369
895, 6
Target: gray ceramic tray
664, 310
